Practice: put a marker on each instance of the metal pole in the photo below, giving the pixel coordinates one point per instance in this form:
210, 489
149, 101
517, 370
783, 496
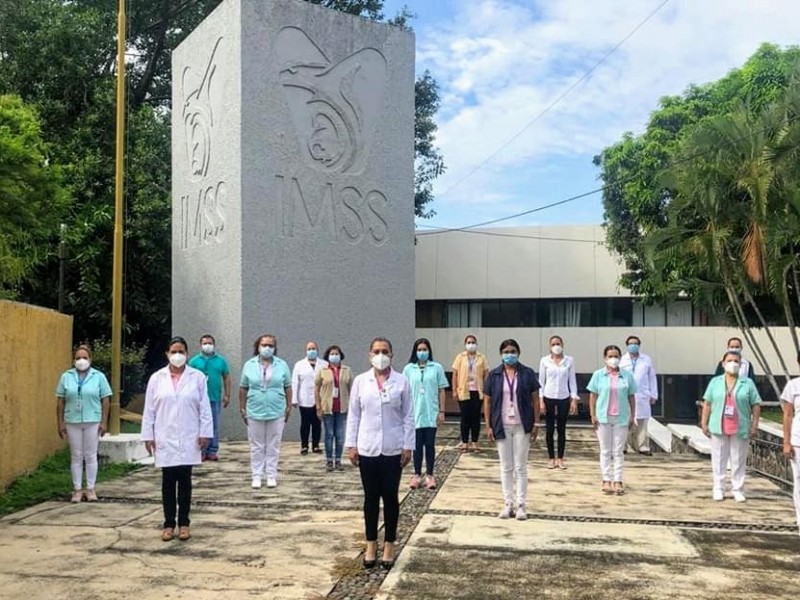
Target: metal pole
62, 266
116, 300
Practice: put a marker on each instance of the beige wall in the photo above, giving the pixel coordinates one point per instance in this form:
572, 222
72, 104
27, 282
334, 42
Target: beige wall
518, 262
35, 347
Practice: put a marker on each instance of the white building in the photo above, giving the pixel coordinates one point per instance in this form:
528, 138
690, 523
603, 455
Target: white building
529, 283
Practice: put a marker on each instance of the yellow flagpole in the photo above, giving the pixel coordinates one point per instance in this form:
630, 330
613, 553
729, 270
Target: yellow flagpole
116, 294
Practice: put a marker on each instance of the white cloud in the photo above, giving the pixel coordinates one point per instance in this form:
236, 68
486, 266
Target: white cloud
501, 62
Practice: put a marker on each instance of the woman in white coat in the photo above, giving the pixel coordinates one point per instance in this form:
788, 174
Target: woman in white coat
177, 425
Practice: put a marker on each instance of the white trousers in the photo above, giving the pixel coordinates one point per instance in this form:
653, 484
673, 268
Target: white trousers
612, 438
265, 445
638, 438
724, 447
796, 473
84, 439
513, 451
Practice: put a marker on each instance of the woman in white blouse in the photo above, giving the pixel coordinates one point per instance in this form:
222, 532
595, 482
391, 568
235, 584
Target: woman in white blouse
559, 398
380, 438
177, 426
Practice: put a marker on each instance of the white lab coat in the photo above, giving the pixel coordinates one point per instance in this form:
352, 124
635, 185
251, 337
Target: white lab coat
646, 383
177, 419
303, 376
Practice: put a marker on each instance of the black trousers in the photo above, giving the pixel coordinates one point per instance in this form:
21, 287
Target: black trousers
176, 495
426, 442
380, 476
556, 419
309, 422
470, 417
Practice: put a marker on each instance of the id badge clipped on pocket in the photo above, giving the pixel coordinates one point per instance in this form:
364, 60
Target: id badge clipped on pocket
729, 411
384, 393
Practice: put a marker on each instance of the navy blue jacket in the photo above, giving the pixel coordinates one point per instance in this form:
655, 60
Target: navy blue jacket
527, 384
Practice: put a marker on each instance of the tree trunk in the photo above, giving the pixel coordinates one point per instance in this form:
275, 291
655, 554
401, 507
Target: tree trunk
752, 302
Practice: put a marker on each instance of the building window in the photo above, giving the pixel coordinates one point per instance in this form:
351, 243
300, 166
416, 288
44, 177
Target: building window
430, 314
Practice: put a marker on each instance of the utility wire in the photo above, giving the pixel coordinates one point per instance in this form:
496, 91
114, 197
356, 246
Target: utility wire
558, 99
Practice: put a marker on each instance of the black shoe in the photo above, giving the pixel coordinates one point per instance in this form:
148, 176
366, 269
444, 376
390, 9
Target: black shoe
304, 451
369, 564
316, 450
329, 466
387, 564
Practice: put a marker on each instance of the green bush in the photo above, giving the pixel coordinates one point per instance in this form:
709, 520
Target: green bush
133, 367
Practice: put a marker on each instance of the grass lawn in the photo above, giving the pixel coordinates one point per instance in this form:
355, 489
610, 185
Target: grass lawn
772, 413
52, 480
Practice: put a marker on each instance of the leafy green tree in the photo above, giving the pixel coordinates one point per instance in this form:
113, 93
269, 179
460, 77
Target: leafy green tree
31, 196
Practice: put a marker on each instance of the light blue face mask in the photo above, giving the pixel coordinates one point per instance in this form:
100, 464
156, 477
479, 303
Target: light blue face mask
510, 359
633, 348
334, 359
311, 354
422, 355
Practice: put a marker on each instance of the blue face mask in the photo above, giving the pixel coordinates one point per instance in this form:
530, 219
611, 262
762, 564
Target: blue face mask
510, 359
311, 354
422, 355
633, 348
334, 359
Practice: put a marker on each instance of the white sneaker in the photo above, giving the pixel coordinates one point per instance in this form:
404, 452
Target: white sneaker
256, 484
521, 514
739, 497
718, 496
507, 512
272, 482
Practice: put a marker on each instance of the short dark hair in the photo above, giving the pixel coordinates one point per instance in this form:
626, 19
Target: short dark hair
209, 336
735, 338
425, 341
178, 340
330, 349
469, 337
381, 339
510, 342
257, 343
727, 354
633, 337
611, 347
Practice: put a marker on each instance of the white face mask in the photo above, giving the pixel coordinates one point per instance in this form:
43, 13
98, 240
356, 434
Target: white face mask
471, 347
207, 348
380, 361
613, 362
732, 367
82, 364
177, 360
556, 349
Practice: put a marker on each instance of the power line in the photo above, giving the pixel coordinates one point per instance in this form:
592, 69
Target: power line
790, 119
558, 99
517, 235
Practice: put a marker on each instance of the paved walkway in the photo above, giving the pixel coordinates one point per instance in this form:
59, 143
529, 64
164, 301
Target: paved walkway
664, 539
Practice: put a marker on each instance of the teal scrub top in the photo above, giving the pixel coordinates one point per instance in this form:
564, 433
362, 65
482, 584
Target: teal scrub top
215, 367
600, 384
425, 386
266, 400
746, 395
83, 400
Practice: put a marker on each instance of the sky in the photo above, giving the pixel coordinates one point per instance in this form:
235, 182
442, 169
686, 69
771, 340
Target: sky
500, 63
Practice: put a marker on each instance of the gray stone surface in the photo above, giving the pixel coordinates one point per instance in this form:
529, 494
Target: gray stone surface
293, 182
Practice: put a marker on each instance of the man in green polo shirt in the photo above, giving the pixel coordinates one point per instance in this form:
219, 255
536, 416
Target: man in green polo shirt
218, 380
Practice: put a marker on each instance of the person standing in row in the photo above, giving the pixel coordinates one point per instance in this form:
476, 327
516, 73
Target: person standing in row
559, 398
644, 374
612, 402
731, 410
469, 372
265, 396
511, 410
176, 427
303, 376
218, 378
82, 413
790, 400
428, 383
745, 366
332, 394
380, 437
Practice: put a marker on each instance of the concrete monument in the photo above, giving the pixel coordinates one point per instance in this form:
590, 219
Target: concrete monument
293, 168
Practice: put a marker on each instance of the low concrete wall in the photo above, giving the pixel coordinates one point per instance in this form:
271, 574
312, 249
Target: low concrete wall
35, 348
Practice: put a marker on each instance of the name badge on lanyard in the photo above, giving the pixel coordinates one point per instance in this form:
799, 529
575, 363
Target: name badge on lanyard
264, 379
512, 384
730, 403
336, 392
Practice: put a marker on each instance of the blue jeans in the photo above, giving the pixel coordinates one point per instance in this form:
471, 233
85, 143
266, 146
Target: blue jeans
334, 428
213, 446
426, 440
